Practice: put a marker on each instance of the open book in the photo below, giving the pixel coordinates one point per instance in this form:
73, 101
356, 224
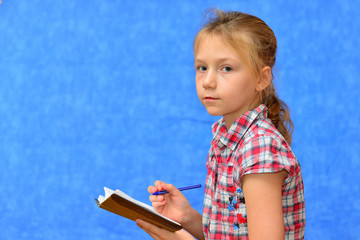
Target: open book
119, 203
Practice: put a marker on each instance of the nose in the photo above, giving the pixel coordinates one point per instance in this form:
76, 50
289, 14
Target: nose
210, 80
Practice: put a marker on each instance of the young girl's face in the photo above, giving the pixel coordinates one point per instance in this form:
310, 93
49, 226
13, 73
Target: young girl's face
224, 83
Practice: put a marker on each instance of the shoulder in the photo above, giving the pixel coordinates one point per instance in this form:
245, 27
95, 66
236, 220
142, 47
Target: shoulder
264, 129
264, 149
264, 136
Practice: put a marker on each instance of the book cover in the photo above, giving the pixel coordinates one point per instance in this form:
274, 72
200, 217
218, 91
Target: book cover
122, 204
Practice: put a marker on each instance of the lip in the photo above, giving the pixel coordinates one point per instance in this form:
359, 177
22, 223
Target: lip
210, 99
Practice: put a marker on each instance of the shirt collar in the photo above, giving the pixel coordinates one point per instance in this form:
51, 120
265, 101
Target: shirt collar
231, 137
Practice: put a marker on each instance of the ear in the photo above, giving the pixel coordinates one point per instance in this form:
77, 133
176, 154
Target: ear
265, 79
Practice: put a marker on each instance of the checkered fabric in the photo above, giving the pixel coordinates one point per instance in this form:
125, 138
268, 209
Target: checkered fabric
252, 145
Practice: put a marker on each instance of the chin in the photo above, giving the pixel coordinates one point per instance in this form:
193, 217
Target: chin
214, 113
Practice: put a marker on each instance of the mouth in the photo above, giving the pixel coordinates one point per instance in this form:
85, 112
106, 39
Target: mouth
210, 99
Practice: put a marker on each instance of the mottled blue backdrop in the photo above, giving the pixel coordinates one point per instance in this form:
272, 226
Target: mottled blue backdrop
101, 93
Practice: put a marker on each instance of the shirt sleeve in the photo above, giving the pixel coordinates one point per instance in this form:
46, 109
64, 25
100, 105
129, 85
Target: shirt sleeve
265, 154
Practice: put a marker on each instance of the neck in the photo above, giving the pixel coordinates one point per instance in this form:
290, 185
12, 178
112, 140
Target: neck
230, 118
228, 122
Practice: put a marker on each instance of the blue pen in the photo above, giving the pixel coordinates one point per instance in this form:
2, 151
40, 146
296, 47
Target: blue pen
180, 189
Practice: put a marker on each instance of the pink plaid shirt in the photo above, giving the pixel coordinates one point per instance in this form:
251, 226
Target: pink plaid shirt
252, 145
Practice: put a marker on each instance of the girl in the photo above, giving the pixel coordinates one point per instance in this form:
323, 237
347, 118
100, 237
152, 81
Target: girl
254, 188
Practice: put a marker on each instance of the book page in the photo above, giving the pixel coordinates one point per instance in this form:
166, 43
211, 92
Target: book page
108, 193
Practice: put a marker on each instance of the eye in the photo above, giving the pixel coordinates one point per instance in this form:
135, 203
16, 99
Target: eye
202, 68
226, 69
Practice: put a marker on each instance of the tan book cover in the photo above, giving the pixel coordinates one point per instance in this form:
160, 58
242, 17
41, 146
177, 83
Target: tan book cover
122, 204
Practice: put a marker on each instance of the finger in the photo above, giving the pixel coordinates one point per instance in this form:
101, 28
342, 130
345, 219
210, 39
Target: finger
171, 189
151, 229
148, 232
151, 189
158, 185
156, 198
158, 204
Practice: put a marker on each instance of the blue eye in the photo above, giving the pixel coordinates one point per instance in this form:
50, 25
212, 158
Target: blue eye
202, 68
227, 69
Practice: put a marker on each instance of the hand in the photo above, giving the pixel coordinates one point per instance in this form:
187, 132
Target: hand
173, 205
160, 233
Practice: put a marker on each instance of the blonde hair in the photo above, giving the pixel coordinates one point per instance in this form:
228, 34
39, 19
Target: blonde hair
256, 43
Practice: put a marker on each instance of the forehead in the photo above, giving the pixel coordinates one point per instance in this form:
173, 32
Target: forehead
214, 47
213, 44
210, 41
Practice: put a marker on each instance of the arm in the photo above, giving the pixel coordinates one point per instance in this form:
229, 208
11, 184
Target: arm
162, 234
194, 224
263, 195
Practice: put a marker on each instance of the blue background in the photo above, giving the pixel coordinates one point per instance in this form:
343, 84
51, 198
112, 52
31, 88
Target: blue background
102, 93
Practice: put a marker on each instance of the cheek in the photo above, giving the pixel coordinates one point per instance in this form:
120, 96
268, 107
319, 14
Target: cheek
249, 87
248, 83
198, 87
245, 88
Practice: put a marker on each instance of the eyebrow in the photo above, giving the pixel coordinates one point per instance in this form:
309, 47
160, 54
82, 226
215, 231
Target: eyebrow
218, 60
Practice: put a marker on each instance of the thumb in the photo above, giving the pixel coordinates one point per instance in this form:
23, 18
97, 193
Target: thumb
171, 189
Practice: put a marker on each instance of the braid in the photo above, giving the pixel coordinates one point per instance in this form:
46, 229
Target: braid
278, 112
